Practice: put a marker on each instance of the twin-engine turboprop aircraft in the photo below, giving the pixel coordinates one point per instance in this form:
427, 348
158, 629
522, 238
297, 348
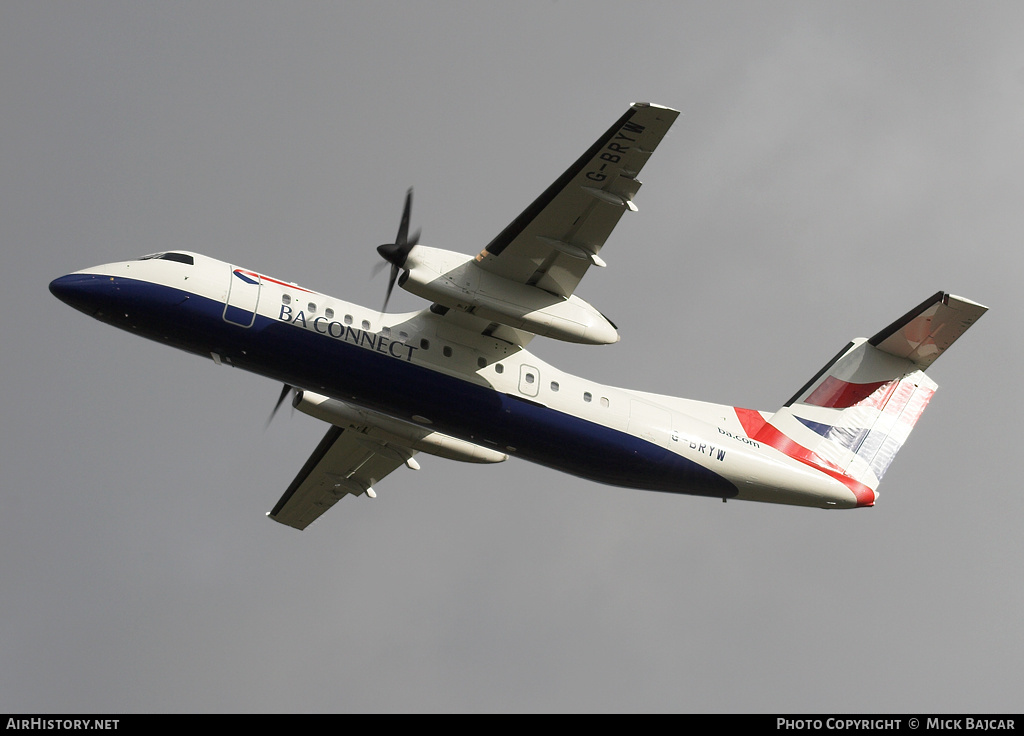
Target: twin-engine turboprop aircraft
456, 380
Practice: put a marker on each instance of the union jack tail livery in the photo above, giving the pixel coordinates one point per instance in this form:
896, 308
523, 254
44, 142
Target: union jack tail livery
851, 419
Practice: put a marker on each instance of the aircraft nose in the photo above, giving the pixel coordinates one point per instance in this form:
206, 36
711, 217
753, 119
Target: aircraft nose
83, 291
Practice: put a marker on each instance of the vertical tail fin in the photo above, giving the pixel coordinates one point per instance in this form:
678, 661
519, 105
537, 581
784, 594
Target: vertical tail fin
851, 419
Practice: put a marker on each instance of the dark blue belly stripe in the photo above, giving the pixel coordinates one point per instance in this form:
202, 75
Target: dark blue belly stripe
376, 380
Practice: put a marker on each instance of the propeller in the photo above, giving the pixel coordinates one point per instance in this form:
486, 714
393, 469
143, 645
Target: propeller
396, 253
285, 390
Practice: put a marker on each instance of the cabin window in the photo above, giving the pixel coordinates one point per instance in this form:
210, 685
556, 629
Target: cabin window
529, 378
286, 298
604, 402
366, 324
587, 397
499, 368
481, 362
385, 331
329, 313
311, 307
348, 319
554, 385
403, 335
425, 343
447, 351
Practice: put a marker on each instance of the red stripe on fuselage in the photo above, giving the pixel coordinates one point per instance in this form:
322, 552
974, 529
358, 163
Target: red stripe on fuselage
751, 420
771, 436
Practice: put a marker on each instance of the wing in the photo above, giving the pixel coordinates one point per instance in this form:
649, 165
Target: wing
345, 461
558, 237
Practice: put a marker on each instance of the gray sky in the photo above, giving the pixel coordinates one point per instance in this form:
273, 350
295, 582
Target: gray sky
835, 164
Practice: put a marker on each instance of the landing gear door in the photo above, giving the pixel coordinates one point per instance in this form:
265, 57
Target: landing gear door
243, 297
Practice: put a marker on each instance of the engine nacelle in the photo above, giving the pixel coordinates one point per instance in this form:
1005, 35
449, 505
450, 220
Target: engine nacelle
455, 281
388, 429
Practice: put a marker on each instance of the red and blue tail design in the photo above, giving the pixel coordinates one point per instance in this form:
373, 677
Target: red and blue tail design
851, 419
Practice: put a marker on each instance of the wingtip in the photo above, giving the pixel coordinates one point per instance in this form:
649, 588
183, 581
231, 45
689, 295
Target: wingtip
651, 104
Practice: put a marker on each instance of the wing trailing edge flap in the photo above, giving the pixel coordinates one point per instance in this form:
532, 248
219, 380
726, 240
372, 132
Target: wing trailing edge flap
345, 462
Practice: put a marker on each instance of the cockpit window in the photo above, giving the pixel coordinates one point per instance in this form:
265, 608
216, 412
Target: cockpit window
179, 257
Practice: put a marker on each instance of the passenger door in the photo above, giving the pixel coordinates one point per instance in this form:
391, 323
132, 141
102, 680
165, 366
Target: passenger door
243, 297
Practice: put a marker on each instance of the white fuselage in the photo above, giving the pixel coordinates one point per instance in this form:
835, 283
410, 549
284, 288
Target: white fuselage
423, 369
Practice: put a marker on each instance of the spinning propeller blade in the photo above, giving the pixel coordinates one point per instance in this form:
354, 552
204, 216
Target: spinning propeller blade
285, 390
396, 253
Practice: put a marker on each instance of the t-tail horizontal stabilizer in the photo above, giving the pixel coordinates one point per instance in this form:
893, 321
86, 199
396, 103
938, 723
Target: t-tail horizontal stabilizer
925, 332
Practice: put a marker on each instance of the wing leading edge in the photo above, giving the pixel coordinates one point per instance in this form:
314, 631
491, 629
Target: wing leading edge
553, 242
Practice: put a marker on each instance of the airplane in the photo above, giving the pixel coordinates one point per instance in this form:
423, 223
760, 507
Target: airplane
455, 379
